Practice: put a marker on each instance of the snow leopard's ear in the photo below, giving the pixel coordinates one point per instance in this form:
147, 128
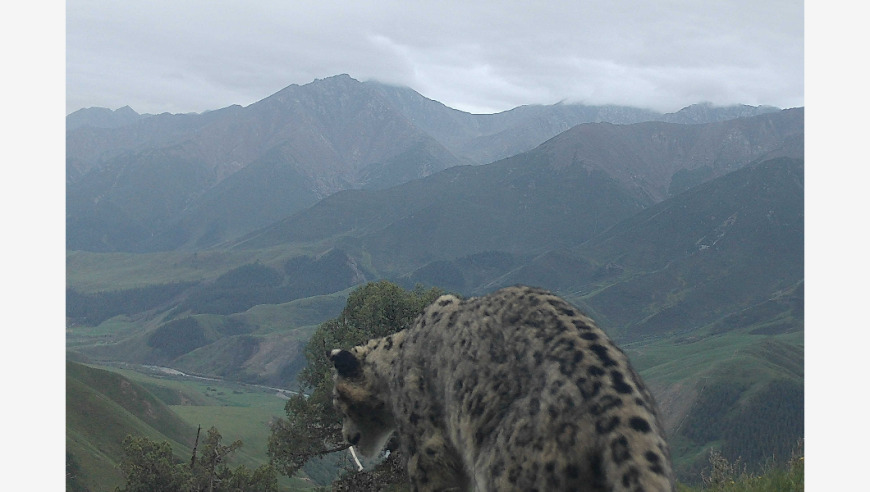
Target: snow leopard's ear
345, 363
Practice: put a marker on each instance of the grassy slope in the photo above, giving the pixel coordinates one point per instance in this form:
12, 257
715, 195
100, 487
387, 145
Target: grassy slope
277, 332
106, 404
240, 412
102, 408
720, 248
308, 312
94, 272
682, 373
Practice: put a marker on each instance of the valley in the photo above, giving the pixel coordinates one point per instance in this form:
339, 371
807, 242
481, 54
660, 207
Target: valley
212, 262
239, 411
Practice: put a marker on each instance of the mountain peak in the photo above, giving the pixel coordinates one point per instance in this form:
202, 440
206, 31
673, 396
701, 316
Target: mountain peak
101, 117
126, 111
342, 77
336, 84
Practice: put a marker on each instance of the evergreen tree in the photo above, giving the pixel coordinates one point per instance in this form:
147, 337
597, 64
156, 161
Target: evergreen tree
211, 474
150, 467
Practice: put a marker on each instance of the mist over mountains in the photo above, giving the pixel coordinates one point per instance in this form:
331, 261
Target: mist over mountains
162, 182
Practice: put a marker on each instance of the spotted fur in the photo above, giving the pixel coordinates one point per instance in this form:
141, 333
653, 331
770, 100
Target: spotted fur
512, 391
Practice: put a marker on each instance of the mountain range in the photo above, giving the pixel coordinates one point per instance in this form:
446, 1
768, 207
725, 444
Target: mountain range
589, 177
216, 243
169, 181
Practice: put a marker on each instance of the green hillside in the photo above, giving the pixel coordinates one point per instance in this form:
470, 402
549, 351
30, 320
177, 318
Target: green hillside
102, 408
704, 289
104, 405
520, 205
710, 259
739, 392
262, 344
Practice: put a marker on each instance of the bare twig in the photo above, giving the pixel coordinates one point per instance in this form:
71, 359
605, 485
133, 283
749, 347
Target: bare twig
195, 444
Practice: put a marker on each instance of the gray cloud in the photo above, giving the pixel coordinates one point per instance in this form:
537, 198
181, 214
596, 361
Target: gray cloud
481, 56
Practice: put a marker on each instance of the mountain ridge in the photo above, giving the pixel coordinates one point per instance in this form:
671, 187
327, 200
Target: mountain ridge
560, 166
303, 143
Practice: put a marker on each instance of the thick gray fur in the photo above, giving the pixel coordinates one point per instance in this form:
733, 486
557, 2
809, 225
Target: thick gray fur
515, 390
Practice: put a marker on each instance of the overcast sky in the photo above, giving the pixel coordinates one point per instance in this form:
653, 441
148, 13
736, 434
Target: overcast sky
478, 56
